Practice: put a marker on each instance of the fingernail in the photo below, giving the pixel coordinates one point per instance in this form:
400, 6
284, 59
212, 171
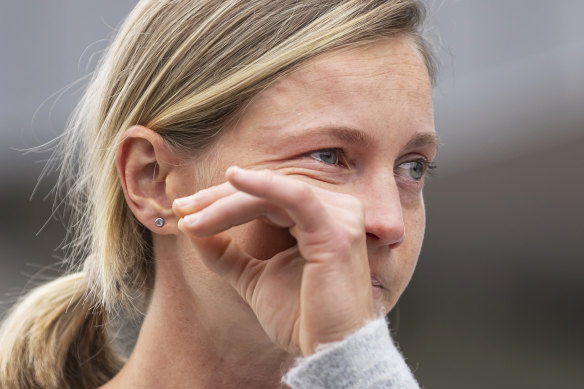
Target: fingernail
233, 170
192, 219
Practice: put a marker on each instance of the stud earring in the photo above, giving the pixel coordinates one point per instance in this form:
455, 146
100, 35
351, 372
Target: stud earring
159, 222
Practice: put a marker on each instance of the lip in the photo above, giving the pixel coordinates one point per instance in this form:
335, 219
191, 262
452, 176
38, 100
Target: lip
376, 287
375, 282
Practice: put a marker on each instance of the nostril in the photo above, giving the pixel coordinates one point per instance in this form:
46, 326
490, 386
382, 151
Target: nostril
372, 236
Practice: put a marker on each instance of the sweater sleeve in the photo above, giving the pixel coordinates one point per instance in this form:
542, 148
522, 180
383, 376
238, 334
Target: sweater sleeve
366, 359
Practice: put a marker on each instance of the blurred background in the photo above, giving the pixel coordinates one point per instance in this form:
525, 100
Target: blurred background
497, 299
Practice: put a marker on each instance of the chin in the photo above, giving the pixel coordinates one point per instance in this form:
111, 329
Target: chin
385, 302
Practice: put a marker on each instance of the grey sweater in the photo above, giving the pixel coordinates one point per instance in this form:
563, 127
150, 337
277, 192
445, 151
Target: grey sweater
363, 360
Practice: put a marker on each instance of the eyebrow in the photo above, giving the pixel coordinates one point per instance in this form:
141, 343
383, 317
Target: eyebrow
349, 135
424, 139
343, 134
355, 136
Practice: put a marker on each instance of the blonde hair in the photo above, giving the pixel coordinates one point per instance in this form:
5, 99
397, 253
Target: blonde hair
181, 68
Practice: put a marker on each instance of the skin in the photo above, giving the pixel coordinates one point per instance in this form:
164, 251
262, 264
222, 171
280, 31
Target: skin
267, 260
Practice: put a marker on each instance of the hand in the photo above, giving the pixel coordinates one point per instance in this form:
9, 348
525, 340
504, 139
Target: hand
318, 291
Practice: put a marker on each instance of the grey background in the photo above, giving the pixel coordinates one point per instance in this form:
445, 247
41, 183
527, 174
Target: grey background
498, 296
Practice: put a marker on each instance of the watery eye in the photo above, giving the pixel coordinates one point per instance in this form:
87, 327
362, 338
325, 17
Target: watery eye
328, 156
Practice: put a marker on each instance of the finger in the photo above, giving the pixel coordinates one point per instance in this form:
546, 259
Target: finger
224, 257
236, 209
296, 197
194, 203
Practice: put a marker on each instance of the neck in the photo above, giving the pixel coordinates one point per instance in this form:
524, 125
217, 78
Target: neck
195, 339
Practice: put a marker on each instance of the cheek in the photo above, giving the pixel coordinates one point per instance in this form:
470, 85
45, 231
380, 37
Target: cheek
414, 213
261, 239
415, 227
415, 221
406, 255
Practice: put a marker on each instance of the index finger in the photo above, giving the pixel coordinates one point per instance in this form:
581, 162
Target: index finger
296, 197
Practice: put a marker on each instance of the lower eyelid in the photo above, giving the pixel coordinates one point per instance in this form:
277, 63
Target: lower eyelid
406, 175
398, 169
411, 185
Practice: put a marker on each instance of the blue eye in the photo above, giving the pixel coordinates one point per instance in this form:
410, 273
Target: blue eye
328, 156
415, 170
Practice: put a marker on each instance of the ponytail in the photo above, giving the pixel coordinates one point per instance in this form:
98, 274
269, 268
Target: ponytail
55, 337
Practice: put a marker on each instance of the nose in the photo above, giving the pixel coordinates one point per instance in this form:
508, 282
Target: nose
384, 221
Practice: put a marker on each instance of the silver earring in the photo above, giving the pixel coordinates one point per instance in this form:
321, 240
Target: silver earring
159, 222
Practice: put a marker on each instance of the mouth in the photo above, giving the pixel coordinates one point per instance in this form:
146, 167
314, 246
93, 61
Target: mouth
376, 287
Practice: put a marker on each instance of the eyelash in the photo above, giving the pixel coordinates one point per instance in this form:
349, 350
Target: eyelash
341, 160
428, 167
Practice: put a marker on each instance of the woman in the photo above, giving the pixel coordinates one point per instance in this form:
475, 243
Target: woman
250, 174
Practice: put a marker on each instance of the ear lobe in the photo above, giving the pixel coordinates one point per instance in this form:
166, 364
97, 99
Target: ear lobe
144, 162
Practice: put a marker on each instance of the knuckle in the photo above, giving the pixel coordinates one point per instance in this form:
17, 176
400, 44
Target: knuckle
354, 233
353, 227
347, 234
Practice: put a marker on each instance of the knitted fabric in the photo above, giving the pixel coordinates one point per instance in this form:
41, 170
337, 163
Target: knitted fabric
366, 359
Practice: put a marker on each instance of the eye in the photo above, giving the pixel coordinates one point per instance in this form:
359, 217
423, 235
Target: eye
328, 156
414, 170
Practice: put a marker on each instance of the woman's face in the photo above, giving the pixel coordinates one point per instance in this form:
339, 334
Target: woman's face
354, 121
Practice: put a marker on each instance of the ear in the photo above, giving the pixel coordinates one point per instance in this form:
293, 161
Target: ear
145, 164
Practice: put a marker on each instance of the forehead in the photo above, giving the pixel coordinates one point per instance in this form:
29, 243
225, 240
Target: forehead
377, 86
393, 60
